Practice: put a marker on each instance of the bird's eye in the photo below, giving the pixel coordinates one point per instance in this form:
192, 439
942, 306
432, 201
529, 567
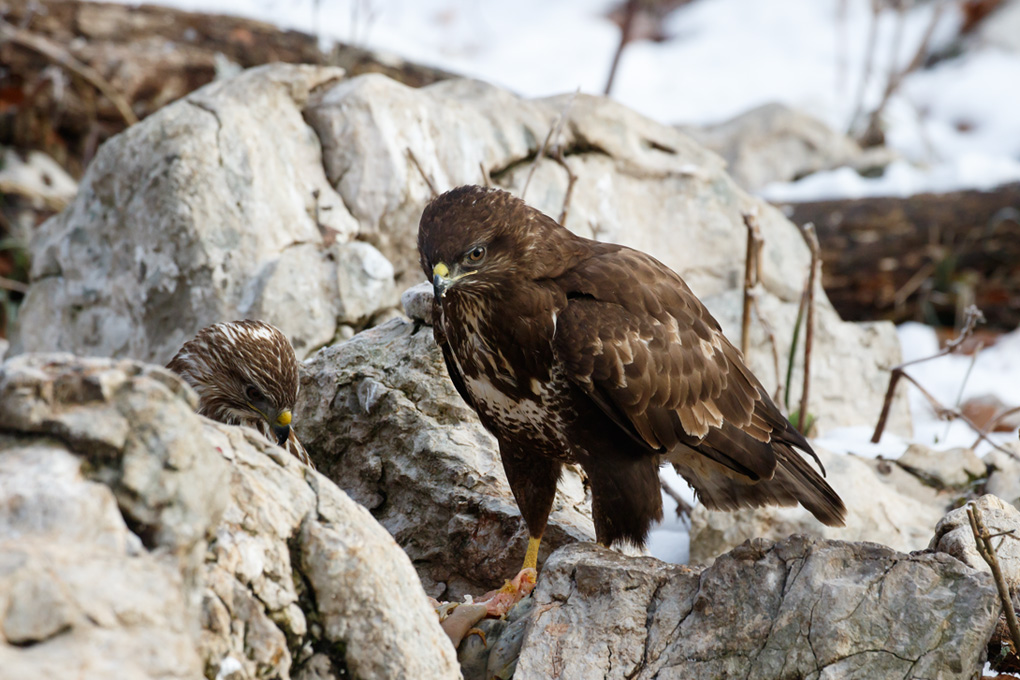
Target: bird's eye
251, 393
476, 255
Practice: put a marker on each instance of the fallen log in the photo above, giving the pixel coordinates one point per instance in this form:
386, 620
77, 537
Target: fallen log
923, 258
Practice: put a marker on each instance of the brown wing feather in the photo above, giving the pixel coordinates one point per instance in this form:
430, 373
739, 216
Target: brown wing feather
635, 336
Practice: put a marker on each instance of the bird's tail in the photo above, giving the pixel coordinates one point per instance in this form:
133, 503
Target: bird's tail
795, 481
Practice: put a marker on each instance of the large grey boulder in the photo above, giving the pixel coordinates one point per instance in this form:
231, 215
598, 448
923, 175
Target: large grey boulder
140, 540
774, 143
800, 608
291, 194
213, 208
381, 418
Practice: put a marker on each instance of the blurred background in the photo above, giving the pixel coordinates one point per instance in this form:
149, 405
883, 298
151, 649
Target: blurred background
891, 125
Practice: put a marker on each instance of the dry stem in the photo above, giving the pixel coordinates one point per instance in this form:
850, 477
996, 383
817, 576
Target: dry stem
58, 55
628, 20
896, 77
554, 132
775, 347
987, 551
812, 240
752, 275
571, 180
428, 181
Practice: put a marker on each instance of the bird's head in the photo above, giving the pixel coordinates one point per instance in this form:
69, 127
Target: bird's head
245, 372
477, 239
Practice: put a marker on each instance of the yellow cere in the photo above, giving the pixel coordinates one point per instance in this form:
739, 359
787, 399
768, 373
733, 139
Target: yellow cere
441, 270
283, 419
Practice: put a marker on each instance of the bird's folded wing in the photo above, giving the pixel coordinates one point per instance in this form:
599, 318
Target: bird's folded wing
647, 351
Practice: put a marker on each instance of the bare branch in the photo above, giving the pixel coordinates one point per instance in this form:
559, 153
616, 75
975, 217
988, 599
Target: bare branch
571, 180
58, 55
683, 508
896, 77
428, 180
628, 20
554, 132
869, 63
971, 318
775, 346
486, 180
983, 540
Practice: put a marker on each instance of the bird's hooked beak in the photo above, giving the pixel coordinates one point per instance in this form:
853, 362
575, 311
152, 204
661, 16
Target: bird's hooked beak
279, 423
443, 278
282, 427
440, 279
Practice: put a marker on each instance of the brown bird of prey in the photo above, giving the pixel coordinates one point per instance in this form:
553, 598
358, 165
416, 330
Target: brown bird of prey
572, 350
245, 373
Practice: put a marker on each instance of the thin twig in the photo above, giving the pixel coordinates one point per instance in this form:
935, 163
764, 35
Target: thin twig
59, 55
628, 20
809, 333
683, 508
772, 341
972, 316
554, 131
428, 181
571, 180
987, 551
13, 285
486, 180
963, 383
991, 424
752, 275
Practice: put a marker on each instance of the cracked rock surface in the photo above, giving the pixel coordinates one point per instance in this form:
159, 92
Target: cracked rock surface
140, 540
382, 419
799, 608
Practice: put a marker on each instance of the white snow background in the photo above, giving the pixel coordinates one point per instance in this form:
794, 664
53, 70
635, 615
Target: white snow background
955, 125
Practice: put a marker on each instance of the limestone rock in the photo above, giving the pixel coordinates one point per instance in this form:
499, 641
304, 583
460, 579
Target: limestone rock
946, 469
878, 510
382, 419
954, 536
774, 143
140, 540
800, 608
211, 209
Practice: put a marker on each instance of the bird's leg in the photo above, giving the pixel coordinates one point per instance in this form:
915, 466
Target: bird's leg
533, 481
531, 557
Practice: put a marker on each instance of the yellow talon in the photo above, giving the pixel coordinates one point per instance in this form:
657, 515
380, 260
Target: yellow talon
531, 557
